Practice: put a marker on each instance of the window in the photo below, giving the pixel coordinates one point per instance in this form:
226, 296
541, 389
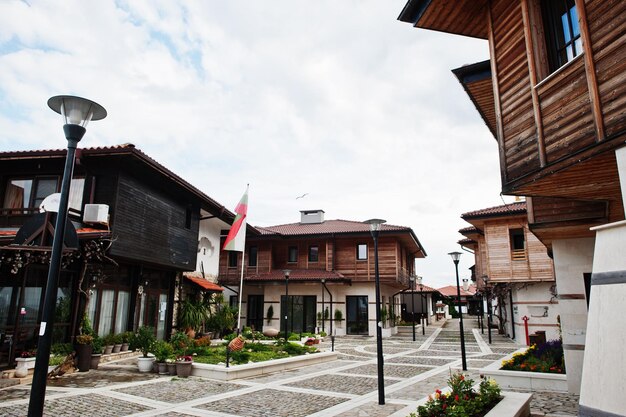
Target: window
252, 255
361, 251
232, 259
28, 193
314, 253
518, 244
563, 39
292, 256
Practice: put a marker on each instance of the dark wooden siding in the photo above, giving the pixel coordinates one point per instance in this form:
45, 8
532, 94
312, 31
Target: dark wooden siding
149, 226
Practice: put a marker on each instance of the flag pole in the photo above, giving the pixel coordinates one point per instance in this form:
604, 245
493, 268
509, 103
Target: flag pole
243, 259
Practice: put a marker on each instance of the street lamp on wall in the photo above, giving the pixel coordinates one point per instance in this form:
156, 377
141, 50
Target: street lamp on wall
455, 258
286, 272
421, 285
375, 226
76, 112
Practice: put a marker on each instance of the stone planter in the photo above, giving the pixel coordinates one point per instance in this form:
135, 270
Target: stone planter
23, 365
171, 368
117, 348
108, 349
183, 368
339, 331
513, 404
95, 360
83, 363
124, 347
145, 364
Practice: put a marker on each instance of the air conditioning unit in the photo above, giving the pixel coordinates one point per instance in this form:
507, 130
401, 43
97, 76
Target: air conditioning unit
96, 213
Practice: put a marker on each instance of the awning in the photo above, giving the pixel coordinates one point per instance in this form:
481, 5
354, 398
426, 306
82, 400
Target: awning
204, 283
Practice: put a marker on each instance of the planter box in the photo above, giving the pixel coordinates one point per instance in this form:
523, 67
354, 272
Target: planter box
339, 331
525, 380
513, 404
222, 373
23, 365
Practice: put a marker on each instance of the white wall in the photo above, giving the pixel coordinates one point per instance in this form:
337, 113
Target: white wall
573, 258
536, 302
209, 246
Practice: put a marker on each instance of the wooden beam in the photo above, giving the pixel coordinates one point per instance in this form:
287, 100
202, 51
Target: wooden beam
532, 72
496, 94
590, 70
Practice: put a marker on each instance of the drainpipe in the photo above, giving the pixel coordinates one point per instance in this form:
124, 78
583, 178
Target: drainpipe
331, 307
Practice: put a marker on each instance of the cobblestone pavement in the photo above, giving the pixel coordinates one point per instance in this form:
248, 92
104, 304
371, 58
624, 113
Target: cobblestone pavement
347, 387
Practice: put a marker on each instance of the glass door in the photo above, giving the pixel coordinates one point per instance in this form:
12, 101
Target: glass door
357, 315
255, 312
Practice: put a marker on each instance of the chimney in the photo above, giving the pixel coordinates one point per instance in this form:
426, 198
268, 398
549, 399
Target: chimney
311, 216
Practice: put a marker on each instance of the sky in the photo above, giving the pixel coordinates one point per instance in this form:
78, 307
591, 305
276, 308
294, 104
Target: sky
337, 100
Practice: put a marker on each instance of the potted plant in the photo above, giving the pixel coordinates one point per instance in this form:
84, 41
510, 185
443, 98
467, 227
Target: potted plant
144, 340
191, 317
162, 352
117, 343
126, 336
183, 366
108, 341
84, 348
96, 352
25, 362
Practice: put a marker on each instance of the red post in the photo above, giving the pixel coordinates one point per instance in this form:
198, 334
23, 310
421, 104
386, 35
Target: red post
525, 318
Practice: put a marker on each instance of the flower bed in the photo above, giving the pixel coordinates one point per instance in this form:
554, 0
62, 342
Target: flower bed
545, 358
461, 400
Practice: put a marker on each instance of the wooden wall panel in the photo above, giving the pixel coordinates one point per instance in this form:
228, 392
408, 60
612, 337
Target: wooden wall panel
607, 26
519, 130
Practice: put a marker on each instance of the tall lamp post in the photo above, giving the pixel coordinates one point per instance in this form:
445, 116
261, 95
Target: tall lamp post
412, 279
489, 318
286, 272
421, 285
76, 112
455, 258
375, 225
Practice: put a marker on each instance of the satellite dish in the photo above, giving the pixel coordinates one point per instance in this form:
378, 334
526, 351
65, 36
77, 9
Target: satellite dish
50, 203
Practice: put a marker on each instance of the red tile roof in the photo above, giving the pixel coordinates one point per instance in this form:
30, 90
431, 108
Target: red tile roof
299, 275
504, 210
196, 278
469, 230
327, 227
450, 291
425, 288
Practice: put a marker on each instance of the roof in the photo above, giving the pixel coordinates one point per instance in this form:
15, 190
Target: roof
425, 288
462, 17
451, 291
196, 278
124, 149
470, 230
477, 83
299, 275
337, 227
504, 210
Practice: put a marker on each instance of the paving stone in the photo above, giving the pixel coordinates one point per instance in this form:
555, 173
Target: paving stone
273, 403
12, 394
341, 383
418, 360
373, 409
179, 390
389, 370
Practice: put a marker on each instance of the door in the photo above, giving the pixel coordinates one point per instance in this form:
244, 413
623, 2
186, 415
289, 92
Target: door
255, 312
300, 310
357, 314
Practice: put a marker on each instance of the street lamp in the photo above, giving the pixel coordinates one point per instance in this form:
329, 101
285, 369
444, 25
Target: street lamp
412, 279
421, 285
76, 112
489, 318
286, 272
375, 225
455, 258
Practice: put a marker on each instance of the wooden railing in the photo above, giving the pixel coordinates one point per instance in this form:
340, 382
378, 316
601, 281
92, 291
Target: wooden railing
518, 254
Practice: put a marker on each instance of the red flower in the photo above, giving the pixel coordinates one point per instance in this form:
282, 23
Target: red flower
456, 398
443, 407
462, 377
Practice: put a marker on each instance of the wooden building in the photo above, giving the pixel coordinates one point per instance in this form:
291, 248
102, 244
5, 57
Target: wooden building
553, 95
331, 265
143, 218
520, 273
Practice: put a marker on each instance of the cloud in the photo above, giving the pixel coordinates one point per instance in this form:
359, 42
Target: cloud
335, 99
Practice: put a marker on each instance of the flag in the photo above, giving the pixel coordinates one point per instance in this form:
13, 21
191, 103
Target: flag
236, 239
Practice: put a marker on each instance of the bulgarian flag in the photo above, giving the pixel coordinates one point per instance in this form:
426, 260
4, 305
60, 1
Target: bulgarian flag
236, 239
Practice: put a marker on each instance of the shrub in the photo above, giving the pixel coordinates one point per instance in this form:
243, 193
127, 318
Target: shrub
181, 342
240, 356
202, 341
163, 350
61, 349
144, 340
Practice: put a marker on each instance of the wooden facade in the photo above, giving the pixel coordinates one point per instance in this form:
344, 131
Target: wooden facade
151, 231
496, 255
557, 128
